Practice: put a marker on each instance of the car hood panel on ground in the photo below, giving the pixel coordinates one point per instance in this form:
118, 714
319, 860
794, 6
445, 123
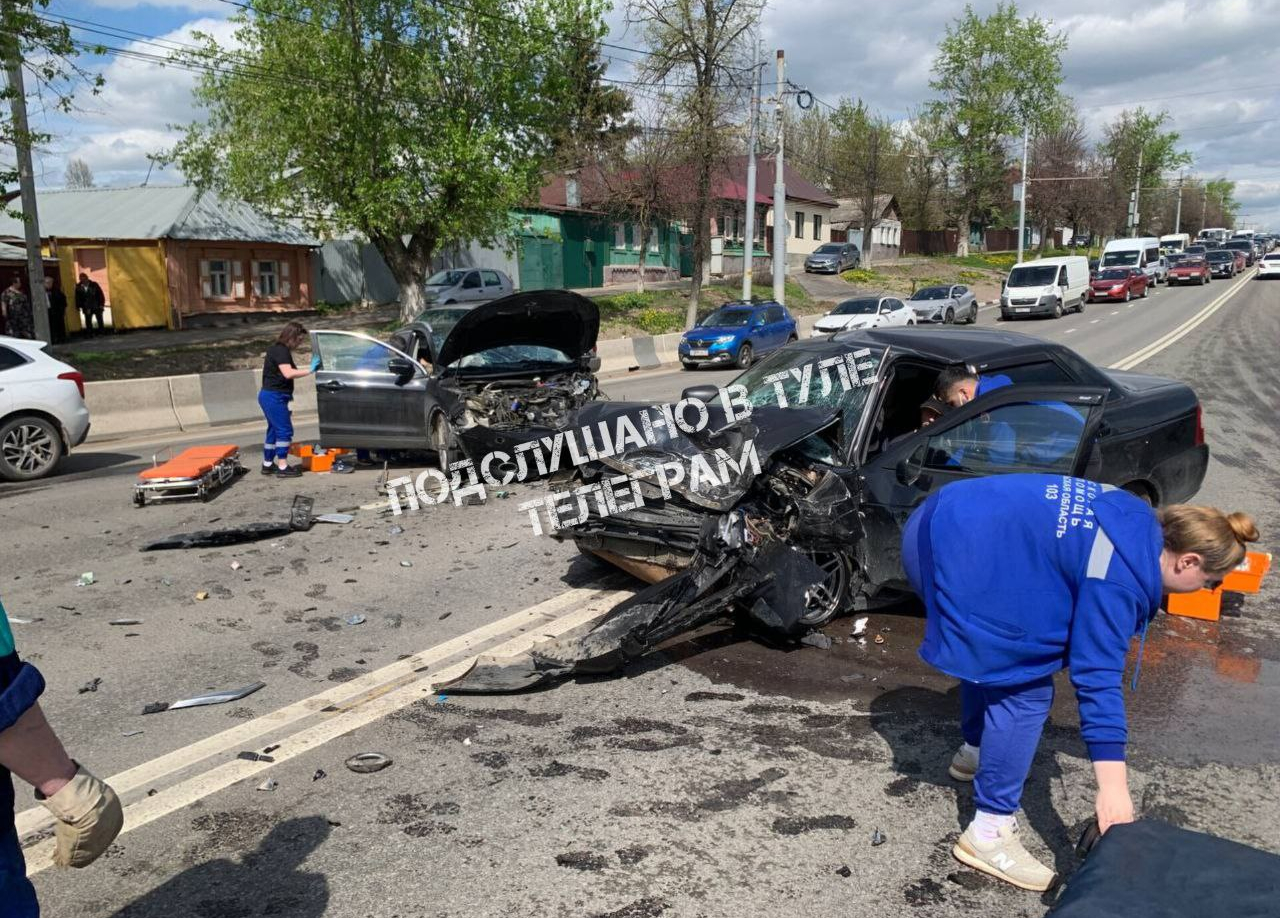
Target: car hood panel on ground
557, 319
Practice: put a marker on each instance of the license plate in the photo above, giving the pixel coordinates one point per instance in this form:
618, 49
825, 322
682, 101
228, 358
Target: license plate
1022, 309
697, 352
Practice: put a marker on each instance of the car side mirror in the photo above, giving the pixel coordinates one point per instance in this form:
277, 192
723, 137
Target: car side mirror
402, 368
759, 321
591, 363
704, 393
911, 468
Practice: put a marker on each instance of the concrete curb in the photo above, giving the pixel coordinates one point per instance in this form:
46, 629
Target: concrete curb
160, 404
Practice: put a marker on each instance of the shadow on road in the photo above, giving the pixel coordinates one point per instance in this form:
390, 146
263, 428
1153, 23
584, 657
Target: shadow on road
266, 881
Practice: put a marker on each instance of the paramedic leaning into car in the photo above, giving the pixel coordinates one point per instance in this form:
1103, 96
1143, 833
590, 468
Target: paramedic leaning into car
87, 811
1081, 569
278, 374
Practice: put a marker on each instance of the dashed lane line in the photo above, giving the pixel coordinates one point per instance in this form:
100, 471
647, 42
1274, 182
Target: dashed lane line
1173, 337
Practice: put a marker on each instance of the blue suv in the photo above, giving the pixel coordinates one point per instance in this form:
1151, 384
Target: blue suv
736, 334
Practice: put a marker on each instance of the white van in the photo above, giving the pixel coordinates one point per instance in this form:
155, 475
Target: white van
1174, 242
1215, 235
1046, 286
1137, 252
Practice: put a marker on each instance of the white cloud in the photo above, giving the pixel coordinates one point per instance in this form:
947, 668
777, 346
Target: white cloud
203, 6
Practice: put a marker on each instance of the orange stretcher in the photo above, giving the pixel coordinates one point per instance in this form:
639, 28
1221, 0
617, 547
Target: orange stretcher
197, 471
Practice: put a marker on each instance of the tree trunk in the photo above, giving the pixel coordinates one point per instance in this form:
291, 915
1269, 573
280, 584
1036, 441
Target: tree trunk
868, 246
962, 237
410, 266
644, 251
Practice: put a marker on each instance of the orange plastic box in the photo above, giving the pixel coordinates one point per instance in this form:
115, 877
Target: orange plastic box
313, 462
1247, 578
1205, 604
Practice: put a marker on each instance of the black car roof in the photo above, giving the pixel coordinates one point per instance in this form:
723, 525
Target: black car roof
970, 345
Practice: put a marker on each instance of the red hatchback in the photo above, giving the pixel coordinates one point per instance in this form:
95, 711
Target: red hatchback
1191, 270
1118, 284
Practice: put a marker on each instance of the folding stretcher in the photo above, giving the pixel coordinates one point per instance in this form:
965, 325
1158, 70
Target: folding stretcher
197, 471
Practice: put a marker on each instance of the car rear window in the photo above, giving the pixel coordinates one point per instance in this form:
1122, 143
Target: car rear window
9, 358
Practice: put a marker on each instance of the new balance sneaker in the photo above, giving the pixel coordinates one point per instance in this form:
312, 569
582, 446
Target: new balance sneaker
1005, 858
964, 764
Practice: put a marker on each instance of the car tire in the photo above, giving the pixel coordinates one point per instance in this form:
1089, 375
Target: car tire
443, 442
793, 339
1145, 291
685, 365
910, 322
1128, 294
949, 318
835, 589
30, 448
1080, 306
745, 356
1057, 309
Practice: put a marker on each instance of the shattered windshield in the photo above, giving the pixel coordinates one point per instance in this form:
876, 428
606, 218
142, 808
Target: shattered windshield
799, 392
514, 357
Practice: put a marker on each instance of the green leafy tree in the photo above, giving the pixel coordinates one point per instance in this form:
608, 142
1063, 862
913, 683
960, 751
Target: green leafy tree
1136, 139
993, 76
417, 125
868, 162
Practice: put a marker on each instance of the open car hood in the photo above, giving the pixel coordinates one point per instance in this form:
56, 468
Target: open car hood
559, 319
771, 428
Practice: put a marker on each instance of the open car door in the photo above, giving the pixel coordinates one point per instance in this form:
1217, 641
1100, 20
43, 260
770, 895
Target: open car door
1013, 429
368, 394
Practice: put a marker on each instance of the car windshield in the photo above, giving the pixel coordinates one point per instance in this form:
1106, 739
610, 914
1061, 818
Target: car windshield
1113, 274
828, 249
1175, 258
1114, 259
728, 318
932, 293
1191, 263
1220, 255
1037, 276
1240, 245
445, 278
514, 357
861, 307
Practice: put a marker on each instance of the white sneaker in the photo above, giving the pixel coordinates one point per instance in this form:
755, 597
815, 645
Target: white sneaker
1006, 859
964, 764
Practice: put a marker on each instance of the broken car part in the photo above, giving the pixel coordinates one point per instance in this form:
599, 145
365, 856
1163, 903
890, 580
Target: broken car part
365, 763
300, 520
215, 697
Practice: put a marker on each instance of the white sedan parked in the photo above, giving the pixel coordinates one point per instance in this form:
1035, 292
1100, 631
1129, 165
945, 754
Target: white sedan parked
42, 410
877, 311
1269, 266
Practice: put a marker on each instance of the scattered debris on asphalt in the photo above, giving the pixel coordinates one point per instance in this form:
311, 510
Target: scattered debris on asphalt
300, 520
354, 619
396, 530
269, 785
879, 639
337, 518
406, 564
365, 763
319, 773
817, 639
467, 741
272, 748
125, 621
202, 595
90, 686
235, 565
156, 707
15, 620
878, 838
254, 757
85, 579
441, 699
200, 700
844, 871
859, 626
129, 733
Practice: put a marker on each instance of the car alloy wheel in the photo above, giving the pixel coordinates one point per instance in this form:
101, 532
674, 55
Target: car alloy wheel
744, 356
1057, 309
442, 442
29, 448
828, 598
1145, 291
949, 318
1128, 294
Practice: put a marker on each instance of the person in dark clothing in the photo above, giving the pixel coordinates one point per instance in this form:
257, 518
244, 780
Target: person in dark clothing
17, 311
278, 374
1082, 569
86, 811
57, 312
90, 301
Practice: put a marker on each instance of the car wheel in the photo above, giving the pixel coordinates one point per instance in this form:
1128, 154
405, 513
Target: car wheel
949, 318
1080, 307
744, 356
1057, 309
1128, 294
1141, 492
910, 322
829, 598
1145, 291
30, 447
688, 366
792, 339
442, 441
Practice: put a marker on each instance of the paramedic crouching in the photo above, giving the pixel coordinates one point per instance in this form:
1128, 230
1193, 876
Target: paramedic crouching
1081, 570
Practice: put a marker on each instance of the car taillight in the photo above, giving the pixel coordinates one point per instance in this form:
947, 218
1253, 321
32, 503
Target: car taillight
76, 378
1199, 425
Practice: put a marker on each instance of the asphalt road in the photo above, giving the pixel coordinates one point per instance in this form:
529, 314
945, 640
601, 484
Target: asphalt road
723, 777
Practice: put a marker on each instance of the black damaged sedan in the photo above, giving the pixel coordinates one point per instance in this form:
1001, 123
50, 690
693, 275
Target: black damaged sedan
839, 476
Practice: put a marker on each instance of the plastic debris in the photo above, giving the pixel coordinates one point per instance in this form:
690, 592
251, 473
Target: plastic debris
338, 518
467, 741
354, 619
129, 733
502, 494
125, 621
879, 638
269, 785
396, 530
235, 565
406, 564
156, 707
859, 626
878, 838
90, 686
319, 773
441, 699
254, 757
14, 620
272, 748
817, 639
218, 697
167, 582
844, 871
365, 763
202, 595
85, 579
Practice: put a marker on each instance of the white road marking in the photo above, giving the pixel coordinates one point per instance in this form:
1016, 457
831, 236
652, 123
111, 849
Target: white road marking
1071, 330
1094, 321
1116, 312
1181, 331
338, 698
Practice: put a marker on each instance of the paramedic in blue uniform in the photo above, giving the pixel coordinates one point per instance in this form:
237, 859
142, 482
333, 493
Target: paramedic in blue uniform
1081, 570
278, 374
87, 815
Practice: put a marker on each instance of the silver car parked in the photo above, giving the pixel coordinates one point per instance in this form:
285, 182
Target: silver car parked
467, 285
833, 257
945, 303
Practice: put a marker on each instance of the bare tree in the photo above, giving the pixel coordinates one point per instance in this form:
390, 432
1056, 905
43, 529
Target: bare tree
702, 49
810, 146
867, 163
922, 193
78, 174
1057, 156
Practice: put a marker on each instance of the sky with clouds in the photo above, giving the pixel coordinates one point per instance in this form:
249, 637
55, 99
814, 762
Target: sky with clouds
1214, 65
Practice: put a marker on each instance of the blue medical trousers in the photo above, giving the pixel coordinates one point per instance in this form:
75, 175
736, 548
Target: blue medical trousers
17, 895
1004, 722
275, 406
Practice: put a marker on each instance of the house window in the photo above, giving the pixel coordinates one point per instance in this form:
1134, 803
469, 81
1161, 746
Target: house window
799, 224
653, 239
619, 236
219, 277
636, 241
267, 278
817, 227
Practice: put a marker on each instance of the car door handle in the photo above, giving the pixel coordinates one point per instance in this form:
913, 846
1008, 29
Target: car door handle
332, 385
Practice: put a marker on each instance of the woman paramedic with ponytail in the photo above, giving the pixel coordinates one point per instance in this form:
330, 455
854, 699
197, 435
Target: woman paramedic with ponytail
1069, 571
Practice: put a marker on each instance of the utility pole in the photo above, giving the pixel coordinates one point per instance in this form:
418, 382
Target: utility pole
780, 193
1135, 203
26, 178
1022, 193
1177, 214
1204, 207
749, 249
